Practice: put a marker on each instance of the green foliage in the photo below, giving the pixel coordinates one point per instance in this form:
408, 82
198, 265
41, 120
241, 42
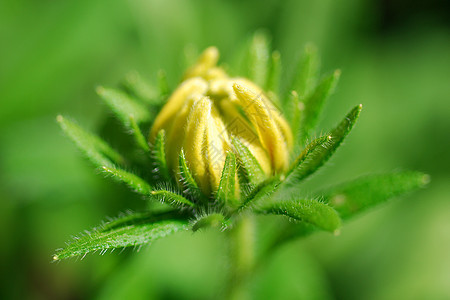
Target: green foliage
97, 150
306, 210
362, 194
171, 198
259, 56
226, 193
252, 170
124, 106
255, 192
159, 157
133, 181
215, 220
130, 233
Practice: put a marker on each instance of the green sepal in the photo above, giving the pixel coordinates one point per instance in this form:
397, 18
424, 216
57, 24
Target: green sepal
307, 69
124, 106
226, 192
159, 157
163, 85
320, 150
215, 220
305, 210
313, 105
135, 231
96, 149
171, 198
138, 135
252, 170
259, 58
274, 77
139, 88
135, 182
190, 186
366, 192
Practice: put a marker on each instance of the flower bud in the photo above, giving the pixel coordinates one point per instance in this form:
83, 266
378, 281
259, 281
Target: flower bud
207, 110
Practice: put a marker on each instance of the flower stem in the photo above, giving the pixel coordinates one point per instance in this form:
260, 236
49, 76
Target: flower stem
242, 257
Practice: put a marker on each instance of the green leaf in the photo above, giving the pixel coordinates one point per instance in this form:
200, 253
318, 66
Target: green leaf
362, 194
159, 157
320, 150
313, 105
259, 58
164, 89
226, 193
273, 78
250, 165
97, 150
139, 88
133, 181
190, 186
309, 211
215, 220
260, 193
138, 135
306, 72
135, 231
124, 106
171, 198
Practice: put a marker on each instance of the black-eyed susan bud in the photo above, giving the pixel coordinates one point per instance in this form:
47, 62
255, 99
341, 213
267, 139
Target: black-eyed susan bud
207, 110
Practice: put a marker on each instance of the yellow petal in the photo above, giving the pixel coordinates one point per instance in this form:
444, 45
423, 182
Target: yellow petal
175, 103
214, 153
193, 141
207, 60
176, 133
240, 127
275, 112
261, 116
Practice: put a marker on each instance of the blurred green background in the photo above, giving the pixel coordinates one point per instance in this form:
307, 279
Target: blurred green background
395, 58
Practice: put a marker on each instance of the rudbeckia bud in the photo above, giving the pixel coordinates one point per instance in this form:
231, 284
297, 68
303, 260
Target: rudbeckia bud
207, 110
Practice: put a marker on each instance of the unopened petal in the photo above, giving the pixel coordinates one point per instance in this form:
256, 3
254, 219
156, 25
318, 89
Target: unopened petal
207, 60
261, 116
175, 103
193, 141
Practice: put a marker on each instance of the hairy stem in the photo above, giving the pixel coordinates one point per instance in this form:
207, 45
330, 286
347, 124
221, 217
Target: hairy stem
242, 257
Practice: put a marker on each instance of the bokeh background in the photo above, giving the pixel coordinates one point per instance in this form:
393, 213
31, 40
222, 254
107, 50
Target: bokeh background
395, 59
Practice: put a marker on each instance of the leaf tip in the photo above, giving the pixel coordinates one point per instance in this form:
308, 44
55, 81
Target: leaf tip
55, 257
337, 73
100, 90
425, 180
59, 118
337, 232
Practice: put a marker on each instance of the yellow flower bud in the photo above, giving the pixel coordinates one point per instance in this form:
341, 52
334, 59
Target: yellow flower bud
207, 109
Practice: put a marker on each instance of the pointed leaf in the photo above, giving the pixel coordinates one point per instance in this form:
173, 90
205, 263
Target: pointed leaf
226, 192
159, 157
320, 150
124, 106
313, 105
362, 194
133, 181
259, 58
139, 88
216, 220
97, 150
171, 198
274, 76
164, 90
252, 169
308, 211
190, 186
138, 136
306, 72
134, 232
